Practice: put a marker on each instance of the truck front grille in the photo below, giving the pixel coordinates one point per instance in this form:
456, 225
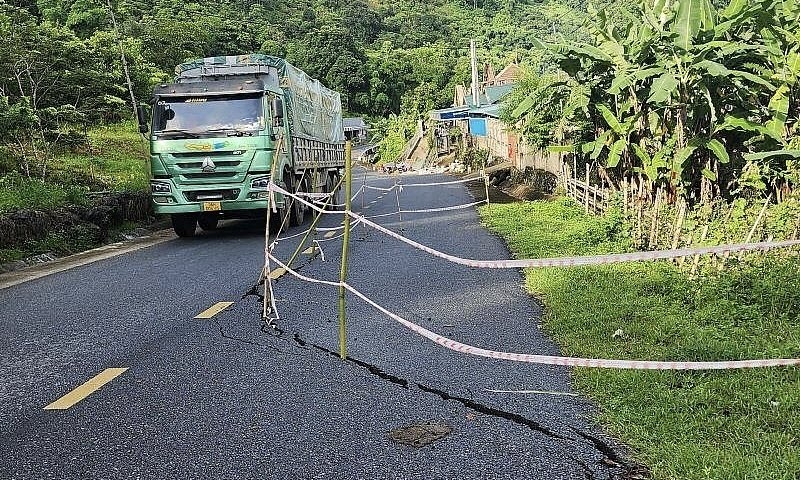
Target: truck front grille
200, 195
217, 164
207, 176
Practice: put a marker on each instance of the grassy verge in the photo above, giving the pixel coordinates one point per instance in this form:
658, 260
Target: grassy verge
114, 160
682, 425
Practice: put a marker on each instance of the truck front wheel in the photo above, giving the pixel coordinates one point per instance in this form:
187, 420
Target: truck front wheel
208, 222
184, 224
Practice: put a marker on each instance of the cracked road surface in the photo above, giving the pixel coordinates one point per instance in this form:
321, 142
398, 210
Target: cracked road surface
229, 397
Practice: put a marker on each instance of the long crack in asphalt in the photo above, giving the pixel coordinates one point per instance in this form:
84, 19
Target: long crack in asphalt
612, 458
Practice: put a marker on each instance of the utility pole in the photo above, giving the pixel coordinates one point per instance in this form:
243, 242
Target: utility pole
474, 63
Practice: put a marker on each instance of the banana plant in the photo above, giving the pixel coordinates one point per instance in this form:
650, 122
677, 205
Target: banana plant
686, 88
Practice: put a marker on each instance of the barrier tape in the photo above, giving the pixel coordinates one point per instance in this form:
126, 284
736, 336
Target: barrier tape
444, 209
359, 192
453, 182
292, 236
380, 215
586, 259
354, 224
368, 187
428, 210
321, 252
275, 188
575, 261
404, 185
550, 359
320, 195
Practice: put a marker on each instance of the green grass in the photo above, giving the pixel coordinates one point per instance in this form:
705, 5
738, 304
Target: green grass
18, 192
683, 425
116, 161
58, 243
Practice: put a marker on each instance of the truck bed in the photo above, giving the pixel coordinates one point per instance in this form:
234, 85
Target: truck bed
310, 153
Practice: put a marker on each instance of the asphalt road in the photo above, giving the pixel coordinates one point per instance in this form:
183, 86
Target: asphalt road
227, 397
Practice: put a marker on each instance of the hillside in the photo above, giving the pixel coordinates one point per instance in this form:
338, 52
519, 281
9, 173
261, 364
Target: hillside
354, 47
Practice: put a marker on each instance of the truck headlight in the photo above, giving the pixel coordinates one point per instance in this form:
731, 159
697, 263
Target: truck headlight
260, 183
160, 187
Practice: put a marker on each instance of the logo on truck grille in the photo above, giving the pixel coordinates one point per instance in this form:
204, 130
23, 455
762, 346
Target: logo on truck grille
206, 147
208, 165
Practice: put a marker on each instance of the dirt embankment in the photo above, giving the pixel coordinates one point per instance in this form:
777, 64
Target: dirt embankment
89, 224
507, 184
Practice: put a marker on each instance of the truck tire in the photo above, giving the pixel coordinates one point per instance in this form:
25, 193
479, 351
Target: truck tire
276, 221
298, 209
338, 195
208, 222
330, 183
184, 224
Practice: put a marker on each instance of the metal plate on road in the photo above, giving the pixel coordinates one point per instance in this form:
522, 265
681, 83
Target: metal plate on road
212, 206
421, 434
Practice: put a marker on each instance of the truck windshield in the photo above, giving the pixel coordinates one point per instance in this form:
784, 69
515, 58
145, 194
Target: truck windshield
192, 116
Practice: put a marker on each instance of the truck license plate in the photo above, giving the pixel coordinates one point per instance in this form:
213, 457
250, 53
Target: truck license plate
212, 206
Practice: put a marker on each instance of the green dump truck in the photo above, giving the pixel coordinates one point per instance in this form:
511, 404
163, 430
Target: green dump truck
217, 130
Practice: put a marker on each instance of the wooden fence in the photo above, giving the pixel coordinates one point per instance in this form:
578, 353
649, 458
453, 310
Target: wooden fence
593, 198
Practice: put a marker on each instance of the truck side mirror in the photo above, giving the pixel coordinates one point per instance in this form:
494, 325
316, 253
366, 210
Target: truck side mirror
277, 112
142, 117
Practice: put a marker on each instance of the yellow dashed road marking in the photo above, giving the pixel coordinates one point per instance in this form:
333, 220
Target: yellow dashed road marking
330, 234
214, 309
309, 250
277, 273
86, 389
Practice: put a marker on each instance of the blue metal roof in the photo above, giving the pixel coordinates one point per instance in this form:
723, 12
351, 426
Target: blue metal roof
452, 113
486, 111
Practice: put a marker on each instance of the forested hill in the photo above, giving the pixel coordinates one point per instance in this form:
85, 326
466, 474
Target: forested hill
64, 54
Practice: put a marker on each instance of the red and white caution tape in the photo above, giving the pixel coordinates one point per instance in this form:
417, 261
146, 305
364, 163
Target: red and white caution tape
575, 261
586, 259
550, 359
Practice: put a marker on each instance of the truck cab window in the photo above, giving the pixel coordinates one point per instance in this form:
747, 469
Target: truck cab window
213, 114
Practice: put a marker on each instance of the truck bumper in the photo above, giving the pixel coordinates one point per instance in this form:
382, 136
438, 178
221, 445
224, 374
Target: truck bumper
227, 207
231, 202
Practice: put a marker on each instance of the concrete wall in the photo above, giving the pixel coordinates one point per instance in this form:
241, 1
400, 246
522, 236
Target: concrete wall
508, 146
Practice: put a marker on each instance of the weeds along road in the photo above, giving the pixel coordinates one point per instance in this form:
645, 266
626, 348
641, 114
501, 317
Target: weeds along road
224, 398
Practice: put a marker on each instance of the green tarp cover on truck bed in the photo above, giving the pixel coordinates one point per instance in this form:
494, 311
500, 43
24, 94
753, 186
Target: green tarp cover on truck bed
314, 110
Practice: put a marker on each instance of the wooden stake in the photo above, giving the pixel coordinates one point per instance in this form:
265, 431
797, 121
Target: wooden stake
348, 182
757, 223
586, 191
625, 195
654, 223
676, 232
697, 257
485, 185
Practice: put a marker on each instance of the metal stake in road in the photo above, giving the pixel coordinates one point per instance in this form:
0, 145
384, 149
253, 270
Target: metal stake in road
348, 188
486, 184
